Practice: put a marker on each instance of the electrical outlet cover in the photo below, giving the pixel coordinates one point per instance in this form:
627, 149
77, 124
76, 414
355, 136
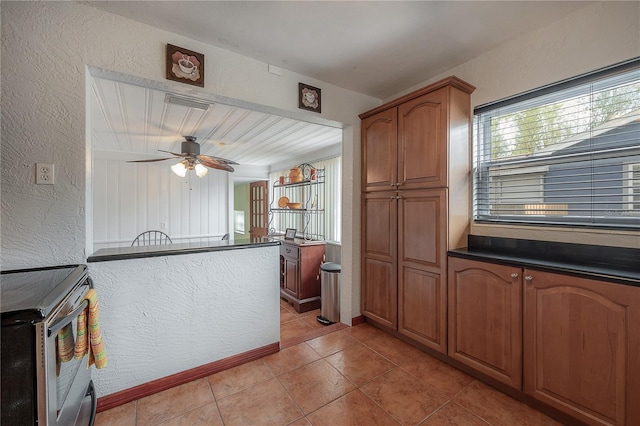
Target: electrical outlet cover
44, 174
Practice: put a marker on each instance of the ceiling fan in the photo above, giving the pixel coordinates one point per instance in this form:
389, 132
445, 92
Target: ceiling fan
192, 160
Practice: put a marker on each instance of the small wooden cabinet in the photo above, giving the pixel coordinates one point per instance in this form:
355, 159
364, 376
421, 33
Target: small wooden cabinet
485, 318
572, 343
300, 273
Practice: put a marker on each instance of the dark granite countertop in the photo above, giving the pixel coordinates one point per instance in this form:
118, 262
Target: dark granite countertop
122, 253
615, 264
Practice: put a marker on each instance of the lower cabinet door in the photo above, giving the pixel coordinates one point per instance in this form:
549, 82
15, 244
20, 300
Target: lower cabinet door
582, 347
485, 318
379, 264
423, 309
422, 257
291, 277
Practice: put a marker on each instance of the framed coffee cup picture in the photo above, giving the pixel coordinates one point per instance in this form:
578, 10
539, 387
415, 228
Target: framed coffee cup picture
309, 97
185, 66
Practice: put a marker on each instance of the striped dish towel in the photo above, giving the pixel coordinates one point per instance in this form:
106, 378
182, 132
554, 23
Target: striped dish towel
65, 346
89, 339
65, 343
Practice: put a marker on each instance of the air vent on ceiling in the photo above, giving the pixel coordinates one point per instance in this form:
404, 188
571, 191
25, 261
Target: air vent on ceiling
188, 102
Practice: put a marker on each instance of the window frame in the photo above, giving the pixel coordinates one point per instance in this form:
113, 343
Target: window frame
486, 168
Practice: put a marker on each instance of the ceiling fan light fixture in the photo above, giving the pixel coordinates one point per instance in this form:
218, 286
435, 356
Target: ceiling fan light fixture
180, 169
201, 170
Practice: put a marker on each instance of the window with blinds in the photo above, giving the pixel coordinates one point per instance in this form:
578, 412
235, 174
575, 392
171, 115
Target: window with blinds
566, 154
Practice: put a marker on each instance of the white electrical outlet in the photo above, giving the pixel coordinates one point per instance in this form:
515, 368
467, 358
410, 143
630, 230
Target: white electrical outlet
163, 226
44, 174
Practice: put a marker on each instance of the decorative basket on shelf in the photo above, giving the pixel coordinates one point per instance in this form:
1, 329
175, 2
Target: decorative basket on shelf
295, 175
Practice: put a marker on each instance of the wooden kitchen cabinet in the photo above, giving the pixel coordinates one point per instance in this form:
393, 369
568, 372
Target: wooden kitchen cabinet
415, 206
380, 151
485, 318
569, 342
379, 257
422, 141
300, 273
406, 144
582, 347
422, 254
403, 255
405, 147
290, 263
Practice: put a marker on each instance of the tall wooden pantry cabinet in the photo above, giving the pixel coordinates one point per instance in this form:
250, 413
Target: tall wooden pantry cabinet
415, 206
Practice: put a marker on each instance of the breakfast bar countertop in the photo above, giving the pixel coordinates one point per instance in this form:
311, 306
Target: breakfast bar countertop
137, 252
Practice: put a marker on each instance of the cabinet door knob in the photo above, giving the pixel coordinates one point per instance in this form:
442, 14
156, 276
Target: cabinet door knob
514, 275
528, 278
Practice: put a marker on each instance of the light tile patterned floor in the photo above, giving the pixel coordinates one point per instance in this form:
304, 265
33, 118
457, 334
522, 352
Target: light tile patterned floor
351, 376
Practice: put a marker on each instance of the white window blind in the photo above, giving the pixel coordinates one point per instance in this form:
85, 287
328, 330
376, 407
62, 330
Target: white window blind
564, 154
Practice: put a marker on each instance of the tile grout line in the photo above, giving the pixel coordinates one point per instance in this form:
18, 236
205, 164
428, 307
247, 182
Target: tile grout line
304, 415
215, 400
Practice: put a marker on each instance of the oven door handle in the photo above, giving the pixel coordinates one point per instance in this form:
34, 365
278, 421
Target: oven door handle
58, 325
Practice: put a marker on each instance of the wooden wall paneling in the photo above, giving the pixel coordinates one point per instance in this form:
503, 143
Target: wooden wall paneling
141, 183
128, 199
131, 198
113, 202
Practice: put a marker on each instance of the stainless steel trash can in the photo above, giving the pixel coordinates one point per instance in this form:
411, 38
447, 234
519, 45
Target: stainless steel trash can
329, 293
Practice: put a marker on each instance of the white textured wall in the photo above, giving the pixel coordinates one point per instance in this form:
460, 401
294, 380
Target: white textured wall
131, 198
43, 120
163, 315
594, 37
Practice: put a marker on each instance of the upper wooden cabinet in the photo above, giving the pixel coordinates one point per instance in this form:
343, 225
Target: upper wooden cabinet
379, 151
406, 143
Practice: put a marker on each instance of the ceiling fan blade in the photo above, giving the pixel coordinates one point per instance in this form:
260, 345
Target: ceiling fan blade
212, 163
217, 159
172, 153
224, 167
150, 160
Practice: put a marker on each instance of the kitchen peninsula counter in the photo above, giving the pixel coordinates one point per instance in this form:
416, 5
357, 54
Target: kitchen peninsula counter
137, 252
182, 310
